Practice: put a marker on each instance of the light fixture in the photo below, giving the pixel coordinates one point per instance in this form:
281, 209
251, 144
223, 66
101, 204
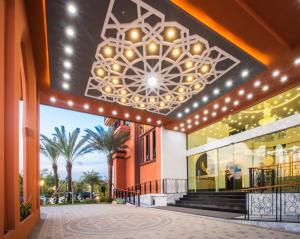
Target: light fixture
188, 64
187, 110
158, 122
129, 54
123, 100
162, 104
189, 126
180, 90
229, 83
197, 86
249, 96
168, 97
179, 115
115, 81
236, 102
241, 92
72, 9
182, 124
149, 120
101, 109
283, 79
265, 87
204, 118
297, 61
68, 50
205, 112
65, 86
152, 81
142, 105
52, 99
175, 128
197, 122
170, 33
224, 108
205, 68
67, 64
126, 115
189, 78
100, 72
189, 121
197, 116
204, 98
227, 99
245, 73
136, 98
70, 32
182, 129
216, 106
216, 91
275, 73
256, 83
86, 106
108, 51
152, 47
116, 67
107, 89
196, 104
213, 114
181, 98
70, 103
138, 117
114, 112
123, 92
66, 76
176, 52
197, 48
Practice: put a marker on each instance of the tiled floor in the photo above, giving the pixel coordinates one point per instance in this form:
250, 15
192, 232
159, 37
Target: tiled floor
120, 221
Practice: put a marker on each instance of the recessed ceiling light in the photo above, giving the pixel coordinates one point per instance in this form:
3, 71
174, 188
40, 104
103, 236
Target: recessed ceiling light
66, 76
149, 120
134, 35
275, 73
257, 83
182, 124
283, 78
236, 102
204, 118
152, 47
187, 110
214, 114
204, 98
138, 117
245, 73
196, 116
101, 109
126, 115
86, 106
70, 103
179, 115
182, 129
65, 86
241, 92
189, 121
129, 54
216, 91
114, 112
197, 86
265, 88
72, 9
216, 106
188, 64
100, 72
67, 64
158, 122
205, 112
297, 61
249, 96
229, 83
224, 108
70, 32
108, 51
197, 48
52, 99
107, 89
176, 52
152, 81
227, 99
175, 128
116, 67
189, 126
196, 122
68, 50
171, 33
196, 104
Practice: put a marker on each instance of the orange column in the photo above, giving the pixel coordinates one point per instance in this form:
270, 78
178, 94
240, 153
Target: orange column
1, 118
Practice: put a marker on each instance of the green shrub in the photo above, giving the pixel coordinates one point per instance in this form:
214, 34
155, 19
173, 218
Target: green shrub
119, 201
89, 201
25, 210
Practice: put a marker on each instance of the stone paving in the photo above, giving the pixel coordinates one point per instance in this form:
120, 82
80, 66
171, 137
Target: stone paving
128, 222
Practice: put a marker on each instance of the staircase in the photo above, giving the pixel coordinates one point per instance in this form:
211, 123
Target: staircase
216, 201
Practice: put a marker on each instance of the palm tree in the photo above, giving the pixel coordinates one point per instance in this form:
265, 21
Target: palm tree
50, 151
106, 141
70, 148
91, 178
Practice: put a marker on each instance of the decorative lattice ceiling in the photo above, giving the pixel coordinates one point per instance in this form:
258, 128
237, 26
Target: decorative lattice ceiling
153, 64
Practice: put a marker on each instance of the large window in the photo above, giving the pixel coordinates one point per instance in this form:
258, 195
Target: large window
275, 108
277, 155
147, 146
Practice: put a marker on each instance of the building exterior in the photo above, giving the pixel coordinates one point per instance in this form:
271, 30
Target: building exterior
211, 90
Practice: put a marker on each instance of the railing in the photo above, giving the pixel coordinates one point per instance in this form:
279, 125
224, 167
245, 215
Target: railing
273, 203
128, 196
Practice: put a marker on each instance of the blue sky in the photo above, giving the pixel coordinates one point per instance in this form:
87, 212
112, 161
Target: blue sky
52, 117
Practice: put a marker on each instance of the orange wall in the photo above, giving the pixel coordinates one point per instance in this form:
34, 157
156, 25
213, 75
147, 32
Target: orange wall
18, 82
130, 158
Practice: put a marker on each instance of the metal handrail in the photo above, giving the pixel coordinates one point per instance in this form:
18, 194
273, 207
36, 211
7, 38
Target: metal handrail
269, 187
131, 197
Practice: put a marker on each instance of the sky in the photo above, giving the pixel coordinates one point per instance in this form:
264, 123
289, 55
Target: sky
51, 117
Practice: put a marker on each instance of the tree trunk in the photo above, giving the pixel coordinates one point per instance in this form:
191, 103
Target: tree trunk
54, 167
69, 180
110, 165
92, 189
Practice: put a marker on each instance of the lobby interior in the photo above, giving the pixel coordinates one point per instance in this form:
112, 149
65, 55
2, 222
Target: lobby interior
209, 91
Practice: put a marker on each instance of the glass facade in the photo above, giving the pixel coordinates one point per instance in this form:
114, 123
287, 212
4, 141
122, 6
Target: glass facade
256, 162
275, 108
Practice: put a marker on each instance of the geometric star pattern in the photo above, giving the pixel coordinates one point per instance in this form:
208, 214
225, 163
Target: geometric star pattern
152, 64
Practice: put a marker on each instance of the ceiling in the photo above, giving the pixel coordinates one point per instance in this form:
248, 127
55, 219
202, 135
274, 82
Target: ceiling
167, 62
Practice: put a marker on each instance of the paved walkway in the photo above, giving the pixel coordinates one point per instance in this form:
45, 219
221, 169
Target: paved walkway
128, 222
